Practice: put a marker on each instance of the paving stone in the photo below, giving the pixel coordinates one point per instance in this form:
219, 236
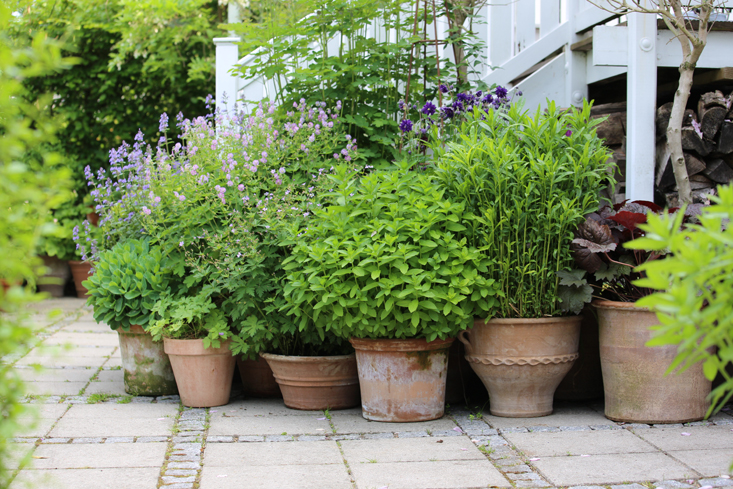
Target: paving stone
412, 434
55, 440
251, 438
716, 482
141, 400
527, 476
174, 480
25, 440
118, 478
574, 428
514, 430
87, 440
481, 432
637, 426
99, 456
151, 439
332, 476
378, 436
508, 462
409, 450
445, 433
601, 427
673, 425
179, 485
587, 487
310, 453
628, 486
270, 425
346, 437
539, 483
690, 437
709, 463
443, 474
578, 443
189, 439
184, 465
543, 429
672, 484
564, 414
120, 439
175, 398
277, 438
220, 439
179, 472
312, 438
105, 420
517, 469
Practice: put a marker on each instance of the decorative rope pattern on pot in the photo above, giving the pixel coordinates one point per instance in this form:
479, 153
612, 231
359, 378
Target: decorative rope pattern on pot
491, 360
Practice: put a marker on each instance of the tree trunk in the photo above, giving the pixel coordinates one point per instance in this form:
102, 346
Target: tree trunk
674, 135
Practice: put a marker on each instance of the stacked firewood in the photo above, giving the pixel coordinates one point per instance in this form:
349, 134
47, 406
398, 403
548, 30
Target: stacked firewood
707, 141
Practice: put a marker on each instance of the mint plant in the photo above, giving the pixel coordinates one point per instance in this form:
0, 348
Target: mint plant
385, 260
693, 286
127, 282
527, 182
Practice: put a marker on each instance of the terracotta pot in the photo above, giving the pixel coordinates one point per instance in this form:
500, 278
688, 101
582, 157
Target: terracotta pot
316, 383
80, 270
402, 380
147, 369
257, 379
54, 280
204, 375
522, 361
584, 382
633, 374
93, 219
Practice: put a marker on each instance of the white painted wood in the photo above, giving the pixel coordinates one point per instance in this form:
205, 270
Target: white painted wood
591, 16
576, 86
502, 36
610, 46
522, 62
641, 89
546, 83
524, 25
549, 16
227, 56
594, 73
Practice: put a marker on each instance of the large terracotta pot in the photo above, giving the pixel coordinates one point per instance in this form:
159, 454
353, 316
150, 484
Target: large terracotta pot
402, 380
80, 270
147, 368
584, 382
54, 280
316, 383
258, 379
633, 374
204, 375
522, 361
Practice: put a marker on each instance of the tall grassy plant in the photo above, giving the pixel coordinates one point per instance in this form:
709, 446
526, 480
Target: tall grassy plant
527, 182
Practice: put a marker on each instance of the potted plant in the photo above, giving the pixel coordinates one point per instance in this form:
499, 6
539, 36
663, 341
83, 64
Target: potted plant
635, 385
526, 181
128, 281
382, 267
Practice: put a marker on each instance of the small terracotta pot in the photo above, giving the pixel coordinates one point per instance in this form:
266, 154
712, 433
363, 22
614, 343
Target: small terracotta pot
204, 375
258, 379
636, 388
147, 368
522, 361
54, 280
80, 271
402, 380
93, 219
316, 383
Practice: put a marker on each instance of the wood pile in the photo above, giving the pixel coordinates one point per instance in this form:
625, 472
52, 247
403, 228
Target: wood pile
707, 140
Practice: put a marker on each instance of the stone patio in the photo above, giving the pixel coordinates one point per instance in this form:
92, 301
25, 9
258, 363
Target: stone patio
90, 434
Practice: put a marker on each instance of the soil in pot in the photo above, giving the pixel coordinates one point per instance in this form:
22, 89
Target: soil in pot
636, 388
258, 379
316, 383
402, 380
54, 280
147, 368
80, 271
203, 375
522, 361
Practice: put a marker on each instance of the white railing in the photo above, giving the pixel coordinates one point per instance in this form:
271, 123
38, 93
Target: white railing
552, 49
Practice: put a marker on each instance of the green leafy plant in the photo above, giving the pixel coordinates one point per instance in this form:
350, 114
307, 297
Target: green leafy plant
127, 282
694, 288
526, 181
384, 260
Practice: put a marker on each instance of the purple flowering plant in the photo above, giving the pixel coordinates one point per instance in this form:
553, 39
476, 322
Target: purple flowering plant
220, 204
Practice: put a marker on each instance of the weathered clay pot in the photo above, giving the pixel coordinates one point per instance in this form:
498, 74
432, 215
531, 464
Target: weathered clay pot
316, 383
522, 361
402, 380
258, 379
633, 374
584, 382
80, 270
147, 369
204, 375
54, 280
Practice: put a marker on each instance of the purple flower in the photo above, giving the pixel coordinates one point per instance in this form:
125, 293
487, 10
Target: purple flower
568, 133
146, 211
428, 109
443, 88
406, 125
163, 122
500, 92
401, 104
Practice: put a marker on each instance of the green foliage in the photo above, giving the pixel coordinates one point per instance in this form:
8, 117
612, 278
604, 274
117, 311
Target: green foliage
355, 51
694, 283
127, 282
30, 184
527, 182
384, 260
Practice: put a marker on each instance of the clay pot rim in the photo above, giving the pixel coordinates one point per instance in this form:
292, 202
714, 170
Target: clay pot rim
629, 306
304, 359
393, 344
512, 321
175, 347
